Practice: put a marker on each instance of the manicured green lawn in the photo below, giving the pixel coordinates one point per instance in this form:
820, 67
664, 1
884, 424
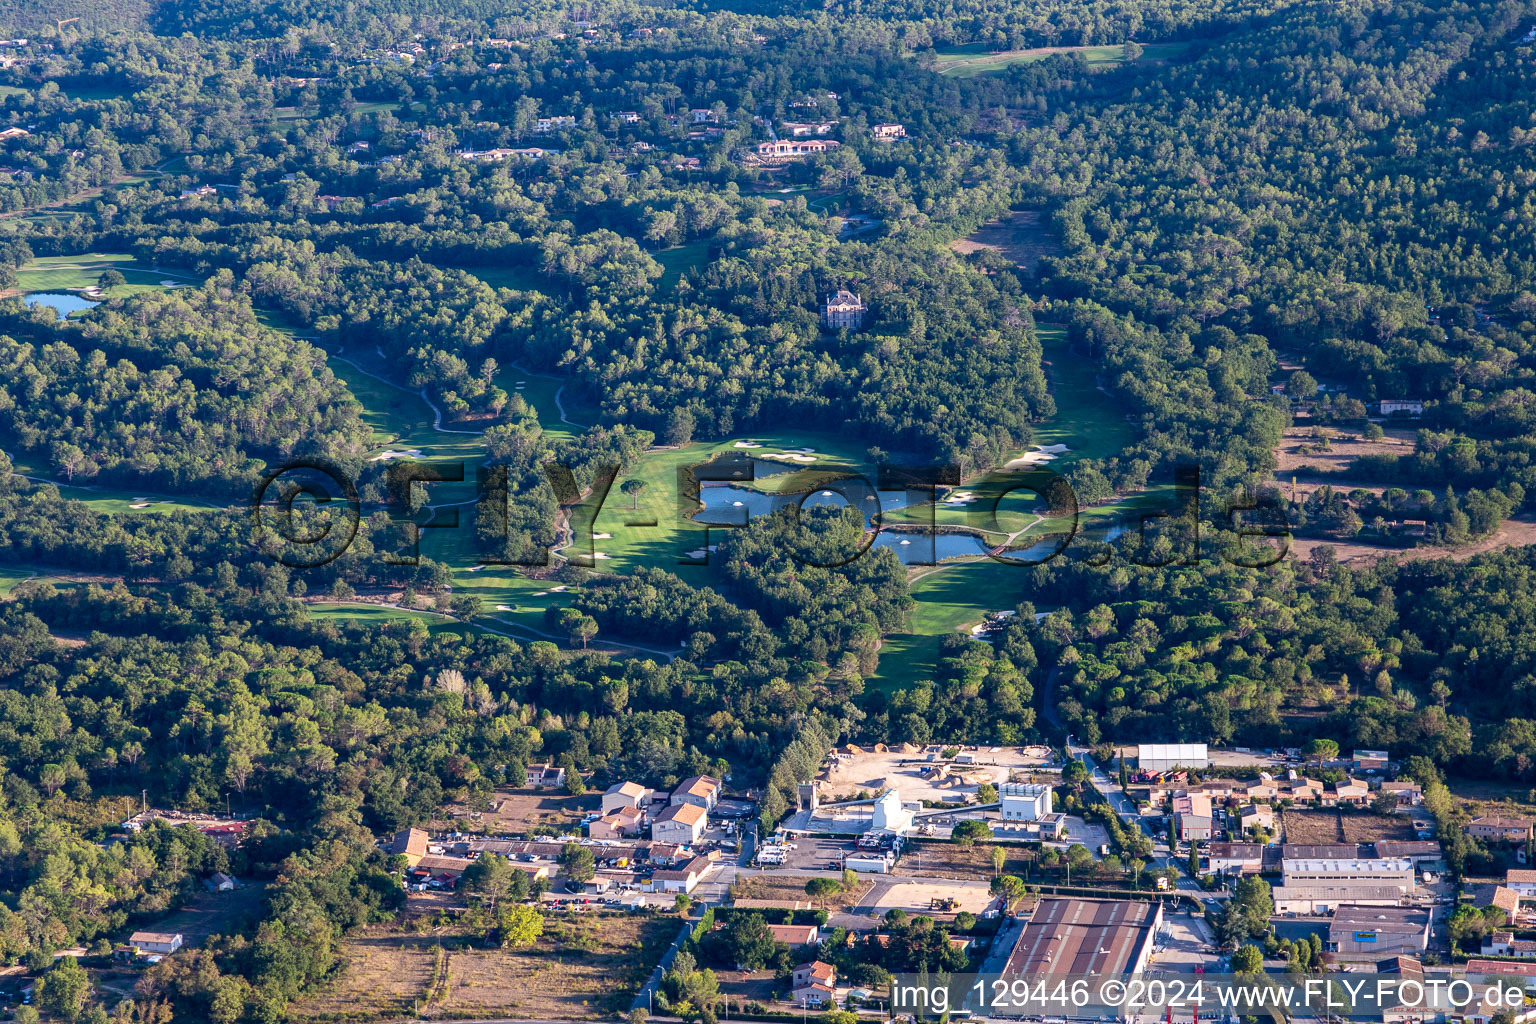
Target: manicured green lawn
71, 273
972, 59
12, 577
377, 615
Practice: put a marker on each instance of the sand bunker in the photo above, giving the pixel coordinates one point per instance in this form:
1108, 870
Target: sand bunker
391, 455
1042, 454
746, 444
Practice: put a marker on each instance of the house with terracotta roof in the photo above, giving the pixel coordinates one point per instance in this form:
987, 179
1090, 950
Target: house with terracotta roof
700, 791
624, 823
682, 879
795, 935
681, 824
1499, 828
411, 843
813, 984
624, 794
544, 776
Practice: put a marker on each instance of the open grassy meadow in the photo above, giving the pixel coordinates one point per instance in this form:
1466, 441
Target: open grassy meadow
584, 967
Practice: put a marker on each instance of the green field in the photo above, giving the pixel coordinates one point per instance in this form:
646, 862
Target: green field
72, 273
378, 615
971, 60
957, 595
522, 278
12, 577
679, 260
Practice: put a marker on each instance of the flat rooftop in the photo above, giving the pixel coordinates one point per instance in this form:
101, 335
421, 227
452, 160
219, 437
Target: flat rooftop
1072, 936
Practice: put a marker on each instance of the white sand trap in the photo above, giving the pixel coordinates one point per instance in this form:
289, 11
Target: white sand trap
1042, 454
391, 455
474, 568
505, 608
168, 283
601, 555
746, 444
141, 504
562, 588
542, 593
602, 536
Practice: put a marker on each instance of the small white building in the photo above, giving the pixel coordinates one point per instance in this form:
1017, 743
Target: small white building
681, 879
155, 942
890, 814
1159, 757
1024, 801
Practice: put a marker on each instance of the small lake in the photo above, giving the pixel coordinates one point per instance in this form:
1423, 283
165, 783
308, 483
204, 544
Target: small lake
65, 302
732, 504
915, 548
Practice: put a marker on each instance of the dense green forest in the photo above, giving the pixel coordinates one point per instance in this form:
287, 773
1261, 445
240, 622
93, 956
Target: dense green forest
555, 247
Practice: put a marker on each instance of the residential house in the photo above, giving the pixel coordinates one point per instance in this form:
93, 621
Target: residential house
624, 823
846, 309
411, 843
667, 854
813, 984
359, 147
624, 794
1505, 944
550, 124
700, 791
1500, 828
1521, 881
1192, 817
702, 115
1401, 407
1256, 816
1499, 896
194, 193
794, 149
502, 153
1368, 760
163, 943
1348, 793
888, 131
682, 879
219, 882
797, 129
795, 935
544, 776
628, 116
1408, 794
680, 823
1235, 858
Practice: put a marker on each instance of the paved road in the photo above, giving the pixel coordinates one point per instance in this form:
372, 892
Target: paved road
1162, 856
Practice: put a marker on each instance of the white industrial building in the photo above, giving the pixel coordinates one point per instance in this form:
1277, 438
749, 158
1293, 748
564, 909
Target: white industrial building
1159, 757
890, 814
1355, 871
1024, 801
